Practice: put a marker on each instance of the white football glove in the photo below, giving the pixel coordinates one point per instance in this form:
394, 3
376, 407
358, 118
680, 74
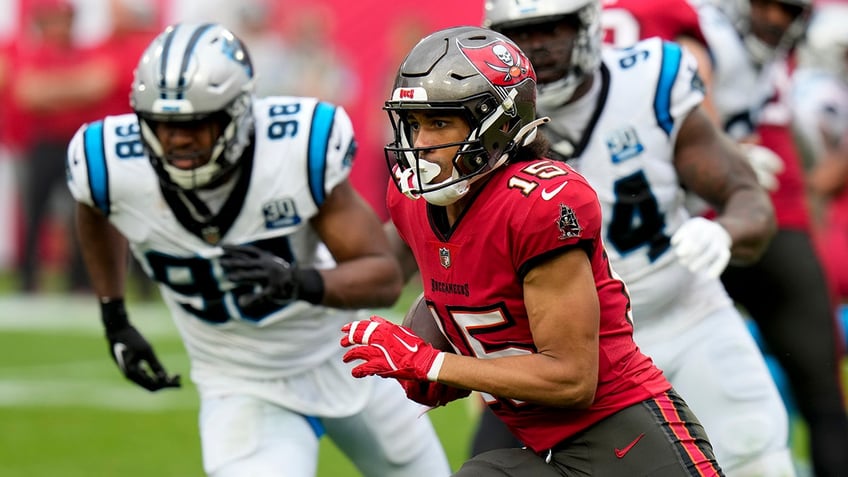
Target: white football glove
702, 245
766, 164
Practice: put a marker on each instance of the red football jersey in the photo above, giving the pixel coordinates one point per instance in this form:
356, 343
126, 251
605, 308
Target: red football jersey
627, 21
473, 276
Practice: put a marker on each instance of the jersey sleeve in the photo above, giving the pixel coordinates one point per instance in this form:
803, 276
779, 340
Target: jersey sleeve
84, 188
106, 162
332, 146
680, 88
570, 218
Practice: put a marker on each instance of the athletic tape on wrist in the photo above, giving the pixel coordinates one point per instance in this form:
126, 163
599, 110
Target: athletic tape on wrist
433, 373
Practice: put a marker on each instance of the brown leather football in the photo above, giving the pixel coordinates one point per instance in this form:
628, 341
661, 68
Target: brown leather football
421, 321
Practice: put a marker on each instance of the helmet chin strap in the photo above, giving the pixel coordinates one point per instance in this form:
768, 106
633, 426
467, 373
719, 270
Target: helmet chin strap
760, 52
554, 95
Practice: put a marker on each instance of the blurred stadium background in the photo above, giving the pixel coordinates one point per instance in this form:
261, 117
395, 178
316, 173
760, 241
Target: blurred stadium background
64, 408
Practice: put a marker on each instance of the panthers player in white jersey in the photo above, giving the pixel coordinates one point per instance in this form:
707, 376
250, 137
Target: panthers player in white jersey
629, 120
740, 87
819, 102
231, 204
797, 327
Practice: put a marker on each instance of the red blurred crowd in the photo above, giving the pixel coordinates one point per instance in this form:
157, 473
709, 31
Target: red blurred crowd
66, 62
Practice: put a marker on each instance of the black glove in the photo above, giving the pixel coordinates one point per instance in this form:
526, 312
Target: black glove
131, 351
275, 280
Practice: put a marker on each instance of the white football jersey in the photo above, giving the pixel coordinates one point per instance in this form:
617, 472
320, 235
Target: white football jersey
302, 149
627, 128
740, 88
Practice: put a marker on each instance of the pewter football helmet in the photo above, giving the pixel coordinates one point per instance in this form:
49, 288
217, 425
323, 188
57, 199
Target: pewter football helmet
585, 56
479, 74
194, 72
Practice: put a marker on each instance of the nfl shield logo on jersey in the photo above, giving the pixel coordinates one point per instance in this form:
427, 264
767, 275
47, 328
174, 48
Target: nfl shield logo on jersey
211, 234
444, 257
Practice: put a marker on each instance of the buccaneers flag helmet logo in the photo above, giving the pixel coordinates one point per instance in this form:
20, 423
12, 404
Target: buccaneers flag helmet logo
502, 63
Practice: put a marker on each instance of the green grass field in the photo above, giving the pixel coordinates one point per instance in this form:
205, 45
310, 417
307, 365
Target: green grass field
65, 409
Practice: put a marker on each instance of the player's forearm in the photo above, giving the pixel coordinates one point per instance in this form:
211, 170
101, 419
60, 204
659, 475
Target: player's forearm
401, 252
372, 281
749, 219
830, 174
104, 251
535, 378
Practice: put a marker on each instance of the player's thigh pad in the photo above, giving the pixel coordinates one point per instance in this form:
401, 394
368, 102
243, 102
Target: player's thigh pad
390, 437
718, 369
243, 435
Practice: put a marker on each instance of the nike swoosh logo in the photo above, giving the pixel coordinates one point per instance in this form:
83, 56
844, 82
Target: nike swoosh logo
620, 453
118, 350
548, 195
412, 349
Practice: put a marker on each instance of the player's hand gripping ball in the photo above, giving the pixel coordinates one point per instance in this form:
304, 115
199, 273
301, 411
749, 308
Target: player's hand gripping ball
389, 351
422, 322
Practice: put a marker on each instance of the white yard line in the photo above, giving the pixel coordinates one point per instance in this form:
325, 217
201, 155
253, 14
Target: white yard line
116, 395
77, 383
76, 314
80, 314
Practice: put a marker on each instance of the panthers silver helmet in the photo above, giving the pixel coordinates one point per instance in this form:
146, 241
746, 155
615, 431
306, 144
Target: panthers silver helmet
479, 74
195, 72
739, 13
571, 68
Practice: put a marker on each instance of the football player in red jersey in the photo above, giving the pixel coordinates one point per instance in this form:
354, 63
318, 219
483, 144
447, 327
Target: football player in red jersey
625, 22
509, 248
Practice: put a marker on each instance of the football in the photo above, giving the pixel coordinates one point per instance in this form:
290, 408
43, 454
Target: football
422, 322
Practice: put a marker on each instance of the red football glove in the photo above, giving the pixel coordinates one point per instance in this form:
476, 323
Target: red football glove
432, 394
390, 351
